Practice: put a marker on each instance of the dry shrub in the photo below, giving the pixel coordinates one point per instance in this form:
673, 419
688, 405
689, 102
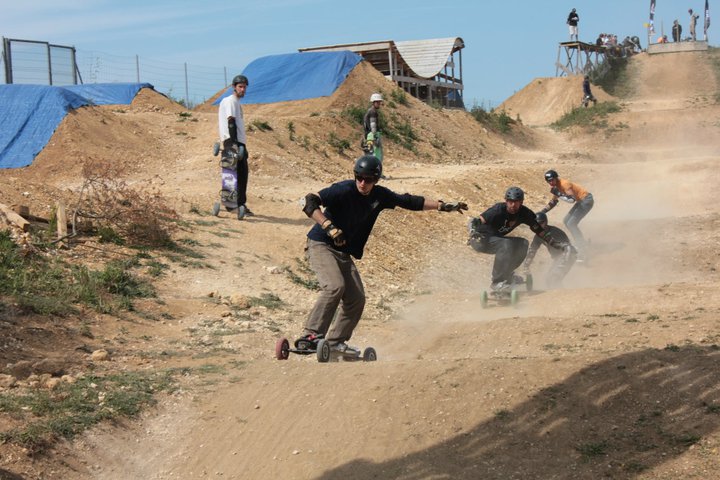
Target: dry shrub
139, 214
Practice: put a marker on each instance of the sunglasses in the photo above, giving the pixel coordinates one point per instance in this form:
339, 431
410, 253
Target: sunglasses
361, 179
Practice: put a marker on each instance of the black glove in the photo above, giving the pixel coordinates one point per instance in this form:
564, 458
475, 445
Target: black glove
555, 191
452, 206
337, 235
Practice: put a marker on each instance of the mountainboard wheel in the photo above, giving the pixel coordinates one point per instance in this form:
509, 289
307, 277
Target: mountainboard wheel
369, 355
529, 282
282, 349
323, 351
241, 212
216, 209
484, 299
514, 297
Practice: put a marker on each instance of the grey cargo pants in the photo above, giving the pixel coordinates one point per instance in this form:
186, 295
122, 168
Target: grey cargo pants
341, 285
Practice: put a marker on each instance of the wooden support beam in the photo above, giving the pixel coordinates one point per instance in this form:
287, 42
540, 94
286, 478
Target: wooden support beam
62, 230
15, 218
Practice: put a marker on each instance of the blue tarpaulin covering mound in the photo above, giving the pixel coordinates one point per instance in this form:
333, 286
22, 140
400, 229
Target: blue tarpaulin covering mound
29, 114
295, 76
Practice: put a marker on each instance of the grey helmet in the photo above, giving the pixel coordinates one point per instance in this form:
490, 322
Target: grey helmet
368, 166
550, 174
541, 217
240, 79
514, 193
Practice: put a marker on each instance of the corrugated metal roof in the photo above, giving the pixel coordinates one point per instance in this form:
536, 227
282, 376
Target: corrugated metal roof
428, 57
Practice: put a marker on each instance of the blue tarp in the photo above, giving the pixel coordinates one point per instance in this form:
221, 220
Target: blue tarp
29, 114
295, 76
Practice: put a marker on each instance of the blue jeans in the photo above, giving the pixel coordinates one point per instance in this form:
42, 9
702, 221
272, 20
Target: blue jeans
577, 213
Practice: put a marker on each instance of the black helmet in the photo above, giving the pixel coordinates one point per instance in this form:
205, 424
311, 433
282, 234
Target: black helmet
368, 166
240, 79
514, 193
550, 174
541, 217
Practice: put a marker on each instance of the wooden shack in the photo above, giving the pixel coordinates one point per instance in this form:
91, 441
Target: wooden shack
430, 70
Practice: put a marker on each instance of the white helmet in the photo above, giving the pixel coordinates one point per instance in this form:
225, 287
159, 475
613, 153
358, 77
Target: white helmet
376, 97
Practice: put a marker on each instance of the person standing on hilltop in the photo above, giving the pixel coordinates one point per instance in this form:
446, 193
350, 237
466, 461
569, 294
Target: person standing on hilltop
341, 230
572, 21
693, 23
570, 192
372, 141
234, 152
676, 31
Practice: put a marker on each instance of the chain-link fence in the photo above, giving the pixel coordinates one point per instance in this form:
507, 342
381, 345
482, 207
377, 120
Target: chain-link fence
37, 62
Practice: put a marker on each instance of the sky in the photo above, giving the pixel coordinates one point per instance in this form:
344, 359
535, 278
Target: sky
507, 44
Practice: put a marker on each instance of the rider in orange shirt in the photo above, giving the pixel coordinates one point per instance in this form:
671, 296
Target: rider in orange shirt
570, 192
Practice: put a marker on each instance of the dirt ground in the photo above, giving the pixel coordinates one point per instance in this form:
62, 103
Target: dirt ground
614, 376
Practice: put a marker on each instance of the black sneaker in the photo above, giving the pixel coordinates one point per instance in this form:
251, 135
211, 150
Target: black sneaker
308, 341
501, 286
345, 349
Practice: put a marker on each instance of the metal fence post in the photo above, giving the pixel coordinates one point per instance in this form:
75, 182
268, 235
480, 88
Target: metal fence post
7, 57
49, 58
137, 67
187, 94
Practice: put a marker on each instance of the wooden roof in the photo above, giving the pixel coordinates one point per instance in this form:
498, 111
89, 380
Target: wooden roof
426, 58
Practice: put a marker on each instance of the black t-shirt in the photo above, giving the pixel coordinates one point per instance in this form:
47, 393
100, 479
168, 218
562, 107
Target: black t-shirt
498, 222
557, 234
355, 213
573, 19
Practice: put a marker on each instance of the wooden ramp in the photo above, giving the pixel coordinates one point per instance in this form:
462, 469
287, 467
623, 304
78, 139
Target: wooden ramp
579, 58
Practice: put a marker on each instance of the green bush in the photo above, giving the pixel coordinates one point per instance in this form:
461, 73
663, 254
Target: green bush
50, 286
354, 113
593, 117
496, 121
399, 96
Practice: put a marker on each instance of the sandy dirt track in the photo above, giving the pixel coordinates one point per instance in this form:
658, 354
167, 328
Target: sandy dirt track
614, 376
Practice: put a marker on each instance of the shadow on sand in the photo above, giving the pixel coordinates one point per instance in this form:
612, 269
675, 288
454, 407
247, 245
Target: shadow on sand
613, 419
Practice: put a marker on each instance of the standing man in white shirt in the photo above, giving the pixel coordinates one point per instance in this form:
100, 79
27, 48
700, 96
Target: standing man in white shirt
234, 153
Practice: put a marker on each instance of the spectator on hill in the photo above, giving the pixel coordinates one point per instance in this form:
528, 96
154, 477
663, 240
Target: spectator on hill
372, 141
662, 39
572, 21
693, 23
676, 31
587, 92
340, 232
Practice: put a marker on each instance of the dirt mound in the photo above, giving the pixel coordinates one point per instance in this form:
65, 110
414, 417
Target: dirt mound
545, 100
